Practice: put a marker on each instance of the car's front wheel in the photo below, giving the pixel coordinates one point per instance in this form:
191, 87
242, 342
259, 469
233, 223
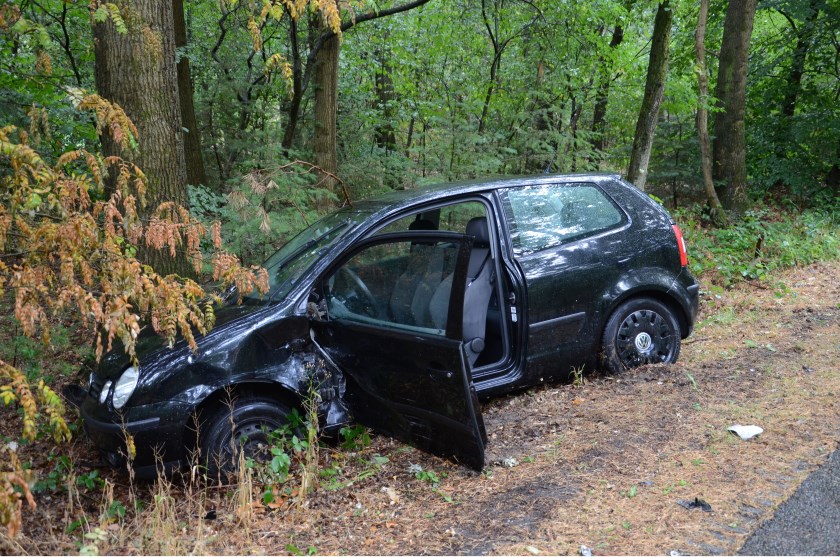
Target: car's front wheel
640, 331
243, 427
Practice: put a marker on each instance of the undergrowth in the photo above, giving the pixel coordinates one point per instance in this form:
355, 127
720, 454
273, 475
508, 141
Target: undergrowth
767, 238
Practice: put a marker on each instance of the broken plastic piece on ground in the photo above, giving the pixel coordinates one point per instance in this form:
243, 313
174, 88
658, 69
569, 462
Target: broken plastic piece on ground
697, 503
745, 431
585, 551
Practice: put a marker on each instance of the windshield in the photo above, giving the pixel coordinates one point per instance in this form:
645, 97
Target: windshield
289, 263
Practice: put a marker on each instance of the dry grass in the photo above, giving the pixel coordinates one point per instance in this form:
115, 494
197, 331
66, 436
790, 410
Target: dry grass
601, 465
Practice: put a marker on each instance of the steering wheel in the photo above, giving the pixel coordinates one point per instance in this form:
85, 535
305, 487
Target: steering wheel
371, 306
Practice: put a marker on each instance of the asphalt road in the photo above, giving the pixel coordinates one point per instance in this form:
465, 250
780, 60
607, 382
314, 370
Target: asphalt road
808, 523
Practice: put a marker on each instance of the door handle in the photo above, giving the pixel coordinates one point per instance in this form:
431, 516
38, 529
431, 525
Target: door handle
437, 369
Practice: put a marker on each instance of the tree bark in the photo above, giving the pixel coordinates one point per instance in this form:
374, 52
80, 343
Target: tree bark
718, 215
729, 147
326, 110
654, 91
136, 70
297, 87
192, 137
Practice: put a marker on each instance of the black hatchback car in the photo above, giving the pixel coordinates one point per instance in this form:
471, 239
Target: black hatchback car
400, 311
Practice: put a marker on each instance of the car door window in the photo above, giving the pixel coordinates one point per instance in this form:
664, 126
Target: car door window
402, 283
453, 217
548, 215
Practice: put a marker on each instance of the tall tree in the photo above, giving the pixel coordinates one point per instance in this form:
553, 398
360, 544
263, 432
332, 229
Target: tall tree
326, 108
804, 38
654, 91
324, 56
192, 137
729, 147
599, 115
718, 216
135, 68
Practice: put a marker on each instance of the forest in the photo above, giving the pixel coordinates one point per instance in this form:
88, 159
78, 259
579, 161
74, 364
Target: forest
153, 152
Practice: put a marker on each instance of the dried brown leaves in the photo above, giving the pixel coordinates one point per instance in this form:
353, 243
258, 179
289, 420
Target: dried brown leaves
65, 250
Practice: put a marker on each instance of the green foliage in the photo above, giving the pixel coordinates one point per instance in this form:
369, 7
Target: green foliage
767, 238
90, 481
354, 438
56, 479
262, 210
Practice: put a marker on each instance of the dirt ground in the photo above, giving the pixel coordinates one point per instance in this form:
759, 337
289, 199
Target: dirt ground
602, 464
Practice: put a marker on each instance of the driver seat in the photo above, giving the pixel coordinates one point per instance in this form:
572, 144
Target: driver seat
479, 288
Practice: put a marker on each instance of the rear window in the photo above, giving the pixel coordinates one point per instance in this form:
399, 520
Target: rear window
545, 216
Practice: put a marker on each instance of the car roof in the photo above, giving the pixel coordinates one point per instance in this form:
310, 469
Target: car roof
399, 199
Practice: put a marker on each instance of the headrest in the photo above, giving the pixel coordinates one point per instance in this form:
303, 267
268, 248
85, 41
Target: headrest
477, 228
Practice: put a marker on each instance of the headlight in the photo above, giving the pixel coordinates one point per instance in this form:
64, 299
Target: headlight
103, 394
125, 386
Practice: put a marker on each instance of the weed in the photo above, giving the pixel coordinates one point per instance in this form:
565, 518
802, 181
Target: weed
90, 481
672, 487
693, 381
295, 550
93, 538
428, 476
56, 479
630, 493
354, 438
577, 376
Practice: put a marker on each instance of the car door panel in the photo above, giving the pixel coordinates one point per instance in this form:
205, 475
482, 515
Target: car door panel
411, 382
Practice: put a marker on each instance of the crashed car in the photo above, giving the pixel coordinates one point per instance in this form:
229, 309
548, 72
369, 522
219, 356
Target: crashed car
399, 312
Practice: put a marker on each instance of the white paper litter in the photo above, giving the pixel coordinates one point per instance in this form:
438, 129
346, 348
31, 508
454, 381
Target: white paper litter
745, 431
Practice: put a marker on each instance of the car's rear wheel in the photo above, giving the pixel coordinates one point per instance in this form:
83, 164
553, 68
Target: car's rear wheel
241, 428
640, 331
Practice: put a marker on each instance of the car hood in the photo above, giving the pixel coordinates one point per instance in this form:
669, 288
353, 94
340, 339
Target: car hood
151, 347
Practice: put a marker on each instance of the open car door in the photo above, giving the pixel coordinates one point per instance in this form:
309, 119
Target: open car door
393, 326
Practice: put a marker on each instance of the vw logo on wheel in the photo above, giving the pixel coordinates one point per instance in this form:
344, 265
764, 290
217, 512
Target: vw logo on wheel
643, 342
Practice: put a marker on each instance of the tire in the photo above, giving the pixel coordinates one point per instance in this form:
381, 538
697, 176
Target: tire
640, 331
245, 427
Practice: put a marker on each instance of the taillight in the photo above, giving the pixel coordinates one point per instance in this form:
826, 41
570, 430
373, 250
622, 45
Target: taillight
681, 245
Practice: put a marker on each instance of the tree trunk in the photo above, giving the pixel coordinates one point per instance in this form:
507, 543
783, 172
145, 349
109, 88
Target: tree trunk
718, 216
794, 84
136, 70
599, 115
493, 33
797, 68
192, 137
729, 149
326, 110
654, 91
297, 87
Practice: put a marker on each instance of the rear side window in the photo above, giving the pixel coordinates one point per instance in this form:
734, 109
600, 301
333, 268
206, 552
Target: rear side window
545, 216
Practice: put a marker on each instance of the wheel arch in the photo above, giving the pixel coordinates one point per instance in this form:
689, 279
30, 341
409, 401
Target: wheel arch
663, 296
232, 392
